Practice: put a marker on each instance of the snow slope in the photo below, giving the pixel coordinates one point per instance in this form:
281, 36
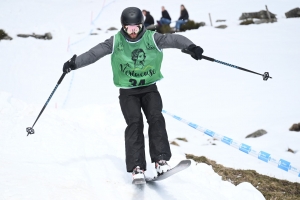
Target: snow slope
78, 149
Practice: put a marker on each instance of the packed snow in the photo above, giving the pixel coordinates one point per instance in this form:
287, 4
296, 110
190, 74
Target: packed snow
78, 151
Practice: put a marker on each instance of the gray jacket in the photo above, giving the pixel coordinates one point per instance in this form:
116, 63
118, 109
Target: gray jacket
163, 41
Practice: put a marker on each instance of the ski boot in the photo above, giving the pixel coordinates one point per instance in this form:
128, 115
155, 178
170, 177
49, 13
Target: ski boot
161, 167
138, 176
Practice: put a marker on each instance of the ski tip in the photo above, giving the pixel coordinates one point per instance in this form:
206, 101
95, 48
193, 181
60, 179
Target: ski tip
185, 162
179, 167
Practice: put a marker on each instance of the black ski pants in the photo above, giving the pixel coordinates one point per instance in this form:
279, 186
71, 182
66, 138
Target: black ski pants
132, 102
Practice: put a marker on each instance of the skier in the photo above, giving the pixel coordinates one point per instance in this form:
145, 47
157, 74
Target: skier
136, 57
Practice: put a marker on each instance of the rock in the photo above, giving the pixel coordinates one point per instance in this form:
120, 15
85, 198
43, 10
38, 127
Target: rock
46, 36
221, 20
221, 26
112, 29
182, 139
293, 13
291, 150
295, 127
257, 133
247, 22
174, 143
23, 35
257, 15
260, 21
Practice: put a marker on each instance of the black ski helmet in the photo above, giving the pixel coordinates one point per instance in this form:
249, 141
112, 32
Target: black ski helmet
132, 16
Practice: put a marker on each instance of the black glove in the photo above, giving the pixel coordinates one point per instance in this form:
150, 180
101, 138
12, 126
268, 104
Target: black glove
196, 50
70, 65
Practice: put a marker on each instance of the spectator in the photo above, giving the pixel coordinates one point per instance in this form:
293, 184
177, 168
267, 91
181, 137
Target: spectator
184, 17
148, 18
165, 19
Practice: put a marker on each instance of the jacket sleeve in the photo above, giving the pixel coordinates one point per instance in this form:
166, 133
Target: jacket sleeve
164, 41
95, 53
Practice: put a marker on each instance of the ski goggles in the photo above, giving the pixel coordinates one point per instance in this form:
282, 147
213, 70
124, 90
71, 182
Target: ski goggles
133, 28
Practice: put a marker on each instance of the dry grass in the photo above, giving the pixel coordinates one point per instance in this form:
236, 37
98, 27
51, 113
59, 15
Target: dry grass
182, 139
271, 188
174, 143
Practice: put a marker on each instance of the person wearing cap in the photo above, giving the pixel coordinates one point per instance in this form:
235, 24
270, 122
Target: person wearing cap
136, 58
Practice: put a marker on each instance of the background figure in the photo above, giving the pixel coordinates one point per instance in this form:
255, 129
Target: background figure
148, 18
165, 17
184, 17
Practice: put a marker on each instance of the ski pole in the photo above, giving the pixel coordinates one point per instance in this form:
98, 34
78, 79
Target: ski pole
265, 75
30, 130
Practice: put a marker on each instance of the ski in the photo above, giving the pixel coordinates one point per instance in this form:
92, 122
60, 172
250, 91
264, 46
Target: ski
181, 166
138, 181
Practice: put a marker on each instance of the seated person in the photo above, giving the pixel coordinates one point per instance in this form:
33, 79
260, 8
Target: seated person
148, 18
184, 17
165, 19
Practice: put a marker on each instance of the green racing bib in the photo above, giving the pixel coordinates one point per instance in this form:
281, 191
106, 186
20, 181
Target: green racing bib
136, 64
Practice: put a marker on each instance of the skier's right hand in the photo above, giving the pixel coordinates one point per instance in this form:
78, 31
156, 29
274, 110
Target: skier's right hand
70, 65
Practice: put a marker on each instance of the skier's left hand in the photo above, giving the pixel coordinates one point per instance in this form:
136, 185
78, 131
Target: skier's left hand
196, 50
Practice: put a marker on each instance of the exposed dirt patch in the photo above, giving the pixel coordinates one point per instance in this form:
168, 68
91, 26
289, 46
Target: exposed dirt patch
271, 188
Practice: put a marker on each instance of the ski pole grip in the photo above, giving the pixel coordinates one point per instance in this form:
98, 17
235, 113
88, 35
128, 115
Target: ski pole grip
61, 78
208, 58
192, 54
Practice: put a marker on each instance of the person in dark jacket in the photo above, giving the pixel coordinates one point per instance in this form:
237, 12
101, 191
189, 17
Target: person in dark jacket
184, 17
136, 58
165, 17
149, 20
